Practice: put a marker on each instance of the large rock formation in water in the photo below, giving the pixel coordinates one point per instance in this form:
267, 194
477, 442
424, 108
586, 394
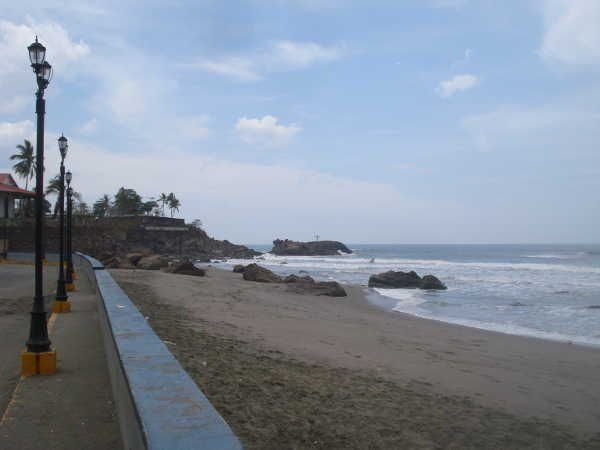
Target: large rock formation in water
314, 248
406, 280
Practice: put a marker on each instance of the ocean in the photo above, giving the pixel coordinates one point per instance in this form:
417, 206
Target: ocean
544, 291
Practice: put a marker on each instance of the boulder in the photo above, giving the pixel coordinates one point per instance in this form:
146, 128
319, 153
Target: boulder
405, 280
430, 282
153, 262
395, 280
329, 288
254, 272
134, 258
297, 279
238, 268
187, 268
314, 248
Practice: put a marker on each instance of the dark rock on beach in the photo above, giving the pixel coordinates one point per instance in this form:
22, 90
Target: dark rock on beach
254, 272
238, 268
314, 248
405, 280
430, 282
186, 268
294, 283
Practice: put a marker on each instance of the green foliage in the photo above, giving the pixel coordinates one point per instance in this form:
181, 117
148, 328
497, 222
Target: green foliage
102, 206
25, 167
173, 203
128, 202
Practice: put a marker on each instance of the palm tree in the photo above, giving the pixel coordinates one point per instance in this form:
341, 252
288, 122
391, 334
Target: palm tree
102, 206
173, 203
25, 168
163, 199
54, 188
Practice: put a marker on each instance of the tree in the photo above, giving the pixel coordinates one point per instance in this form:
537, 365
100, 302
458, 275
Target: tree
25, 167
173, 203
163, 200
149, 206
128, 202
54, 188
102, 206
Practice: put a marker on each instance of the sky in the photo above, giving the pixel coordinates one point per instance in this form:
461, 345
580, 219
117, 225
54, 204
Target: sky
432, 121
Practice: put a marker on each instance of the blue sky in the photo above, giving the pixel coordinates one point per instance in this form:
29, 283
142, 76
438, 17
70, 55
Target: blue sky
434, 121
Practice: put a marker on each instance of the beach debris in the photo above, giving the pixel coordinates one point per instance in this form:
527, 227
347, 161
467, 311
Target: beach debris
405, 280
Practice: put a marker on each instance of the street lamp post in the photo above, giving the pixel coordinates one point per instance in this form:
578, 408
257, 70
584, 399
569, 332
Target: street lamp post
69, 246
62, 299
39, 358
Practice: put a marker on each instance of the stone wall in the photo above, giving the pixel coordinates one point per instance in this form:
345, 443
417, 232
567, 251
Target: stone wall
117, 236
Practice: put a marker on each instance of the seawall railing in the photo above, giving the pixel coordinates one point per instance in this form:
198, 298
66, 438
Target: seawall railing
159, 406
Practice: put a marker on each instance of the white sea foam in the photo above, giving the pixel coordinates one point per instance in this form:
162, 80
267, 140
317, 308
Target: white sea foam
554, 292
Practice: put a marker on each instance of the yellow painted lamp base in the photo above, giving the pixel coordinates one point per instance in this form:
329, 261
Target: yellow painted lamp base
43, 363
70, 286
63, 306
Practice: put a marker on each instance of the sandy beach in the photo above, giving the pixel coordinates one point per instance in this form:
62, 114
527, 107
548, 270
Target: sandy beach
300, 371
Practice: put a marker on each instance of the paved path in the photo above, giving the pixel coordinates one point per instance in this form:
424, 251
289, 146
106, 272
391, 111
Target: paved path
72, 409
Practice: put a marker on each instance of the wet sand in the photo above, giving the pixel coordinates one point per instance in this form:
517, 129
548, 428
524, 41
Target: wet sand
300, 371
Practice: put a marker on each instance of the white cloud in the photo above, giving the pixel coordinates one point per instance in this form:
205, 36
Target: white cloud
572, 32
266, 131
280, 56
239, 69
457, 83
14, 130
15, 84
252, 203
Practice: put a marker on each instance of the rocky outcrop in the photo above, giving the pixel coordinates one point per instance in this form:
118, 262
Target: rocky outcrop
294, 283
122, 236
254, 272
314, 248
186, 268
405, 280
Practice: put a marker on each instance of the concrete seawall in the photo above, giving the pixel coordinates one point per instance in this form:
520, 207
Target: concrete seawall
159, 405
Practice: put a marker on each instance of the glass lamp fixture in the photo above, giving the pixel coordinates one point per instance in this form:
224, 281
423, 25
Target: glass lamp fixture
37, 54
63, 146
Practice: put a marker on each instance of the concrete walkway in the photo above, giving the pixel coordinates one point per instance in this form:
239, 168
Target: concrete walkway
72, 409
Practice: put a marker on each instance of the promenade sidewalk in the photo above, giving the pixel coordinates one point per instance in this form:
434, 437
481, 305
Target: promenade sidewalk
72, 409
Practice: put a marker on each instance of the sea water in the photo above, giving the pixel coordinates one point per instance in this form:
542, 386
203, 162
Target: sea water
546, 291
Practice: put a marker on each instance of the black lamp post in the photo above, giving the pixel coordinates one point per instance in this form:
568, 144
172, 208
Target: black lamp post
61, 291
38, 341
69, 246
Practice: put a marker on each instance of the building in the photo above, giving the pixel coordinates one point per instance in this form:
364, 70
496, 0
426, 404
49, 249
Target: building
9, 191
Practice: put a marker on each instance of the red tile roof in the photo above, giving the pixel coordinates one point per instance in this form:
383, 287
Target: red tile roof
8, 185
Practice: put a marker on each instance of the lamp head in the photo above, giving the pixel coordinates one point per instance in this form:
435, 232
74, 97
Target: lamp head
37, 55
63, 146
